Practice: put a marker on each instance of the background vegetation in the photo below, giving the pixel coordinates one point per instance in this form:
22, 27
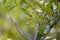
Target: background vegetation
29, 19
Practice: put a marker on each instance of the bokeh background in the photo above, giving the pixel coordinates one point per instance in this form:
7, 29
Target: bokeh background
24, 19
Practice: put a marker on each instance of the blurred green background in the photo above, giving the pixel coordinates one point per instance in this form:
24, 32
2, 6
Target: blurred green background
19, 19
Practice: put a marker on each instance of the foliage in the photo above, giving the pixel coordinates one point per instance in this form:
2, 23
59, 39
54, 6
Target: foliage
29, 19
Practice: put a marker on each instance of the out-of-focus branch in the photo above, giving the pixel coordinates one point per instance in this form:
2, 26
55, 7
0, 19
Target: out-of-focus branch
36, 33
4, 1
56, 21
24, 34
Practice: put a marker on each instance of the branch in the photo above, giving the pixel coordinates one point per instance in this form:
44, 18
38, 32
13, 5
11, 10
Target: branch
36, 33
56, 21
23, 33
